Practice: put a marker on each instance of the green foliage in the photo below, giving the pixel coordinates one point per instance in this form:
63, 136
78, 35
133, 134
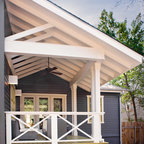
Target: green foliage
133, 38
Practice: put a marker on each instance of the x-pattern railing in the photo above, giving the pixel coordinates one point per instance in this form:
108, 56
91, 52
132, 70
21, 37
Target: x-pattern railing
54, 116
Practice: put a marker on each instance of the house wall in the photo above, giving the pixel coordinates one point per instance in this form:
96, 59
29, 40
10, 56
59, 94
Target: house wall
2, 115
41, 83
7, 71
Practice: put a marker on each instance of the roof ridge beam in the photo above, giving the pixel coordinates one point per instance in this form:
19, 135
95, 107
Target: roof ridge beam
29, 32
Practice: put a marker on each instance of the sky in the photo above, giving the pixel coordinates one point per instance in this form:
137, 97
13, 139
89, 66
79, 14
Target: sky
90, 10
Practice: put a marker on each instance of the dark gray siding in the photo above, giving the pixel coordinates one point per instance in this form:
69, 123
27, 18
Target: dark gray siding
7, 87
111, 127
2, 116
40, 83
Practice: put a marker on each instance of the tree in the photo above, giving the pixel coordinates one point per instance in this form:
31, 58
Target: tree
132, 37
130, 2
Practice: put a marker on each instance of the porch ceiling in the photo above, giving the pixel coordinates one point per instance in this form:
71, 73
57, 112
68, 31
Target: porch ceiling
42, 22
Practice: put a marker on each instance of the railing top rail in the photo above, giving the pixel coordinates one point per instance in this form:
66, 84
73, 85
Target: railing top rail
57, 113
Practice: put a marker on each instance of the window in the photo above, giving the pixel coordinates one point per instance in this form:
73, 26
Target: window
41, 102
58, 104
89, 107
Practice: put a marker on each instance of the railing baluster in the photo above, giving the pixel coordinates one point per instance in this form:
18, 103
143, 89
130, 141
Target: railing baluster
54, 129
8, 128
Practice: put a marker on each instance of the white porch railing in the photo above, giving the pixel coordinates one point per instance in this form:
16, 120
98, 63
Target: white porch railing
54, 116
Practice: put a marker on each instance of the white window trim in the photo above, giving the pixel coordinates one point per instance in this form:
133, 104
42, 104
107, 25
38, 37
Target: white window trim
88, 107
50, 97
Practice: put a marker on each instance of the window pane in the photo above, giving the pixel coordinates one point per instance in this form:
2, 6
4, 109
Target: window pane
43, 104
28, 104
57, 104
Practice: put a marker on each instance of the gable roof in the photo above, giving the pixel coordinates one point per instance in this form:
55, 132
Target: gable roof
65, 29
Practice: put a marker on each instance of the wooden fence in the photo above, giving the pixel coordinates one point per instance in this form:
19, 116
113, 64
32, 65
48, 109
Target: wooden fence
133, 133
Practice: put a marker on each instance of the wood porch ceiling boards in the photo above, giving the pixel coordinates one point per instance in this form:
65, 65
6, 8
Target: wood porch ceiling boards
42, 22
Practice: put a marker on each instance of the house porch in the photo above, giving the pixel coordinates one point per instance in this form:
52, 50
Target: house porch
86, 57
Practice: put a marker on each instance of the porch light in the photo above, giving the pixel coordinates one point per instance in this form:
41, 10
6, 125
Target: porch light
13, 79
18, 92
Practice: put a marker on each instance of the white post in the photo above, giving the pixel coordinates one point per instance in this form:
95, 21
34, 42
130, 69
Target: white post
54, 129
8, 129
95, 101
74, 106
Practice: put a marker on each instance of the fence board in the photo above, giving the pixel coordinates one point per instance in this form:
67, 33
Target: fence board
133, 133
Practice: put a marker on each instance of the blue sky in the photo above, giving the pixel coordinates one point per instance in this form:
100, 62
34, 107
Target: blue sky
90, 10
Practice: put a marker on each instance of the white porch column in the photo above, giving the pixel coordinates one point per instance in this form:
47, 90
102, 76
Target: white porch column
74, 106
95, 101
8, 129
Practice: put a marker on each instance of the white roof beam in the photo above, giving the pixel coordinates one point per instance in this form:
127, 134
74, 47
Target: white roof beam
29, 32
53, 50
82, 73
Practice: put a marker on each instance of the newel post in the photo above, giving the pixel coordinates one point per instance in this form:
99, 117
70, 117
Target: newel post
95, 101
74, 106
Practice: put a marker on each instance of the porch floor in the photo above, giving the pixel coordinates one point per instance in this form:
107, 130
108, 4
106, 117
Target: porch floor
68, 137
